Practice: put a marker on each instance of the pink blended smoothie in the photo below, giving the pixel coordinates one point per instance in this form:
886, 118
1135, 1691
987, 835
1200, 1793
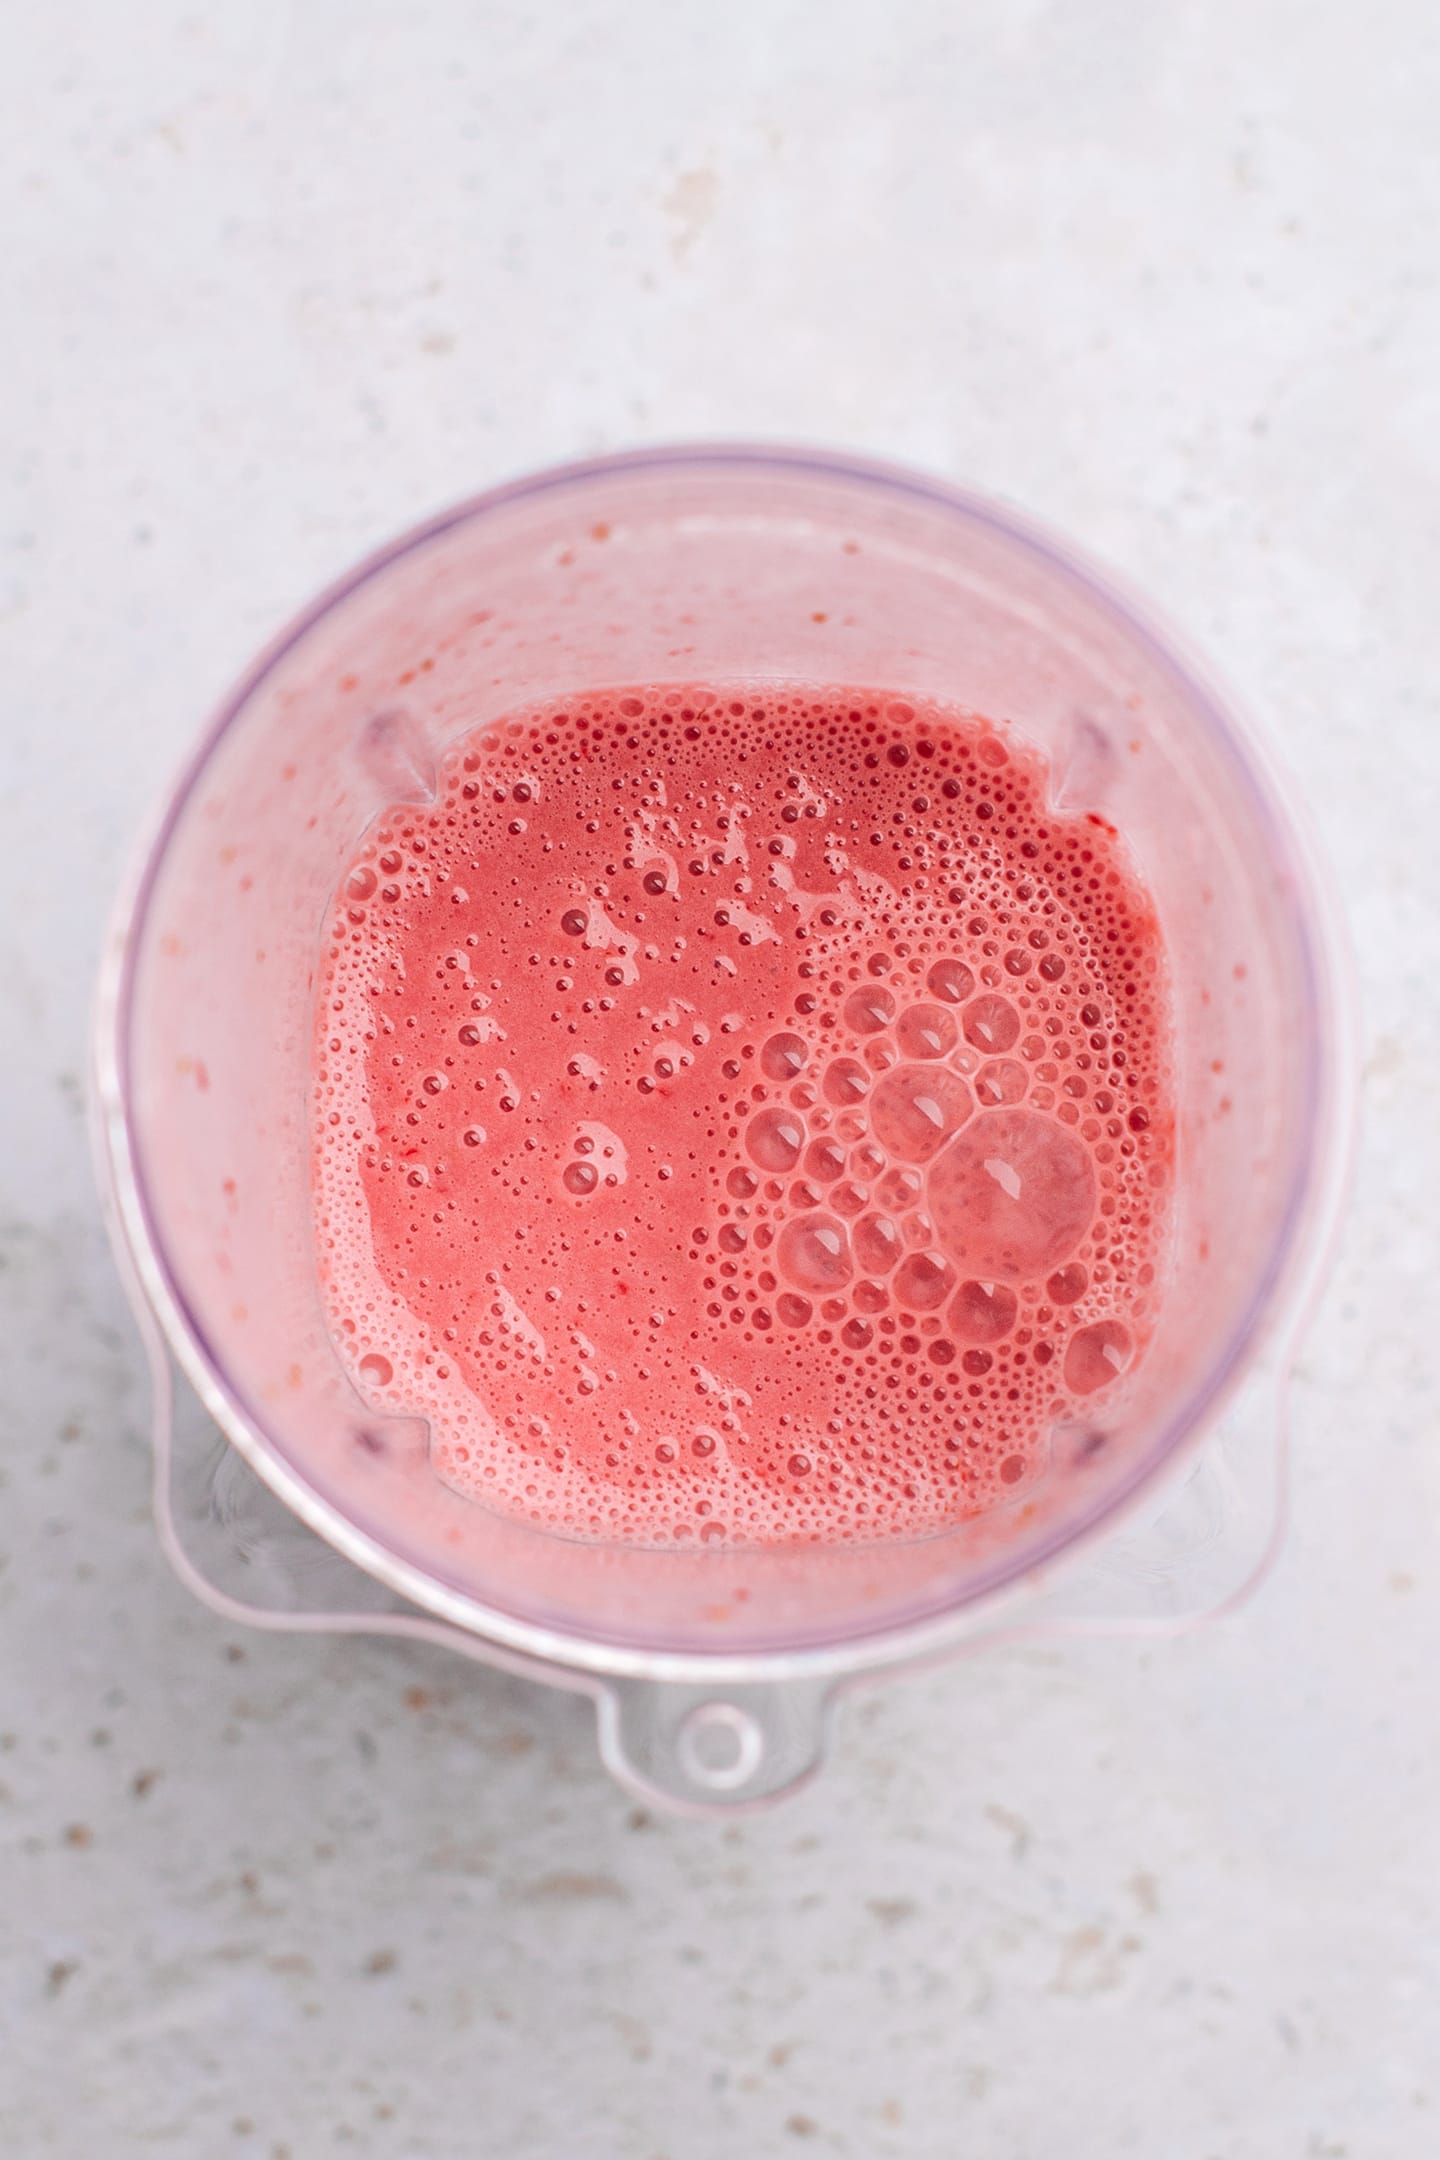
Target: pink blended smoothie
741, 1114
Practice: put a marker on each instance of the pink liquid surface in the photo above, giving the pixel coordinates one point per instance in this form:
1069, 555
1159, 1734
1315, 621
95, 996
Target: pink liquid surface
741, 1115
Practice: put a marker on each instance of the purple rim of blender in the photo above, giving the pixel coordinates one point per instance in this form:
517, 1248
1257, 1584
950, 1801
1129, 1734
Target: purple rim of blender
923, 1625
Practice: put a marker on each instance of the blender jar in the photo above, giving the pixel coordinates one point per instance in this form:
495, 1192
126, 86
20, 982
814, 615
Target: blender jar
712, 1668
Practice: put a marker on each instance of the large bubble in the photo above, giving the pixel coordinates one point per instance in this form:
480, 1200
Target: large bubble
1012, 1195
982, 1312
1096, 1355
814, 1252
926, 1031
774, 1138
991, 1023
916, 1109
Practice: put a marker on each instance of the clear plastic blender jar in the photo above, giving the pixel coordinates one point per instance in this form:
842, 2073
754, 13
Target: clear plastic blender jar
712, 1670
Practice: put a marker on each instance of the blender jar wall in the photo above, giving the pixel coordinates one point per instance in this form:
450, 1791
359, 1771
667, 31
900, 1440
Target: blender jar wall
669, 569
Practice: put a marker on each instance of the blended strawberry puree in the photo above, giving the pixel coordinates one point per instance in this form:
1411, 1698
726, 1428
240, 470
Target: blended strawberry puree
741, 1113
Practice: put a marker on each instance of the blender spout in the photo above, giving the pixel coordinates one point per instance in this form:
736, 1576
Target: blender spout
706, 1749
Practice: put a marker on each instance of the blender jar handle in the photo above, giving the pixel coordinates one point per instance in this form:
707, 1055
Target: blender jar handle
706, 1747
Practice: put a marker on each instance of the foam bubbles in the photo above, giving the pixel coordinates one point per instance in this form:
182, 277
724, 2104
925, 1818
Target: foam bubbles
869, 1009
926, 1031
774, 1138
814, 1252
783, 1057
878, 1243
742, 958
924, 1280
846, 1081
1097, 1355
914, 1111
991, 1023
824, 1161
1067, 1284
1013, 1195
949, 979
1002, 1080
983, 1312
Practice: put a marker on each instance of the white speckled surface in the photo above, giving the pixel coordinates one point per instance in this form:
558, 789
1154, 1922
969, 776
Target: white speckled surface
281, 278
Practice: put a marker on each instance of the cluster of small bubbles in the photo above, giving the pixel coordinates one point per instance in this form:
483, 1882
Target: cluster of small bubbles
880, 1040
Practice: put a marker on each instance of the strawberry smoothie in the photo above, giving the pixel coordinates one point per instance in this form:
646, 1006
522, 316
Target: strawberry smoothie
741, 1113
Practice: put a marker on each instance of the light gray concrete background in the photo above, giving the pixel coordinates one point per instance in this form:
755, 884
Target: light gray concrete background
280, 278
